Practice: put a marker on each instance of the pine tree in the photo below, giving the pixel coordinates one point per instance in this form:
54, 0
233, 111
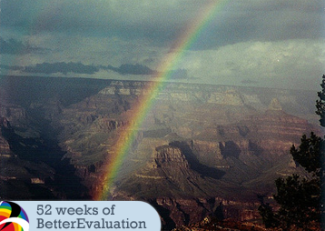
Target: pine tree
300, 198
320, 104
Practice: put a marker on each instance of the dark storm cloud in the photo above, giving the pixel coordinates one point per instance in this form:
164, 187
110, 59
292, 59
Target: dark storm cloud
160, 22
13, 46
13, 68
131, 69
62, 67
256, 20
244, 40
79, 68
99, 18
59, 67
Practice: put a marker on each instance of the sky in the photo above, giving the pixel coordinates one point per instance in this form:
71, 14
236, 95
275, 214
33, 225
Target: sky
267, 43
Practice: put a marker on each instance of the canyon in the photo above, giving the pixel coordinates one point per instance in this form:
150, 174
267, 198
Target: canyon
201, 150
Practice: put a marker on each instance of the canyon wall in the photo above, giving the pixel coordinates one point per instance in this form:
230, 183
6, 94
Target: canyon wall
201, 150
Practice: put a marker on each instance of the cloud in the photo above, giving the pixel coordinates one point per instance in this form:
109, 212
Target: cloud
138, 69
131, 69
274, 64
161, 22
79, 68
244, 40
124, 19
13, 46
51, 68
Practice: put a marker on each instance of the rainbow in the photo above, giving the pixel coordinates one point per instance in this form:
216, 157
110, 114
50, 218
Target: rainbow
169, 63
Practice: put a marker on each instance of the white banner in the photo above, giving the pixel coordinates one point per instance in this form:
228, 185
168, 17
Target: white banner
83, 215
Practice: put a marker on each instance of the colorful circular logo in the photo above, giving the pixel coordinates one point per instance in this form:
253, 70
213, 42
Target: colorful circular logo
12, 217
